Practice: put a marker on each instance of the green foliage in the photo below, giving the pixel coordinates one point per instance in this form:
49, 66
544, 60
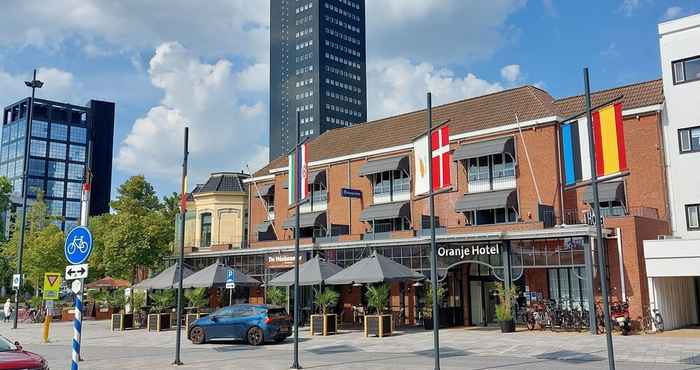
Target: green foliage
5, 191
197, 297
504, 308
36, 302
117, 299
276, 296
162, 300
378, 297
101, 297
326, 298
138, 300
136, 196
171, 205
428, 309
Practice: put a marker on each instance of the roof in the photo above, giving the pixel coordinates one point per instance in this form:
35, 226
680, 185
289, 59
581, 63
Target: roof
469, 115
641, 94
223, 182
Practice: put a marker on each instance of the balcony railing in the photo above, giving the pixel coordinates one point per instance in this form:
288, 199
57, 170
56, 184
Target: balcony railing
496, 183
576, 216
318, 202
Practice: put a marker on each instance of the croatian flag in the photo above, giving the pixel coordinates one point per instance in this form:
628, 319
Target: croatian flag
439, 156
298, 174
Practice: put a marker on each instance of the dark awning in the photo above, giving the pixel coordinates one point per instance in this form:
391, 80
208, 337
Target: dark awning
374, 269
265, 189
215, 276
484, 148
607, 192
315, 177
306, 220
263, 227
488, 200
383, 165
312, 272
386, 211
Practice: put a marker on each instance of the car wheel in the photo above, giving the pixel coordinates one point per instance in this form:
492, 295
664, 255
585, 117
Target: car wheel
255, 336
197, 335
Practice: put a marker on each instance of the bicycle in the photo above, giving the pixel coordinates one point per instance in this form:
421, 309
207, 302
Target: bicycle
79, 244
650, 322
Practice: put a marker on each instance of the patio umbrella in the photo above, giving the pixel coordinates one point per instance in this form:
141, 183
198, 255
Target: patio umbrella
214, 276
373, 269
108, 283
312, 272
165, 280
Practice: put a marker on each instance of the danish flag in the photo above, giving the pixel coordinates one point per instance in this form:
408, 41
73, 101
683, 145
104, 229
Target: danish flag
440, 148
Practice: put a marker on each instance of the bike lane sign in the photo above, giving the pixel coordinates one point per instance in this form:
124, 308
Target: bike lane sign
78, 245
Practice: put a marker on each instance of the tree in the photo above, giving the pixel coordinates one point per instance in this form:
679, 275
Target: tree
136, 196
171, 205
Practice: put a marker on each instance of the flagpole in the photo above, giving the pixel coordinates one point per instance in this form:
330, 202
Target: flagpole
181, 258
598, 226
297, 193
433, 249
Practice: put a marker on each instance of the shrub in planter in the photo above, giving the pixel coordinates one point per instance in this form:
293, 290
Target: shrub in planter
196, 299
427, 311
276, 296
379, 324
325, 323
159, 320
504, 308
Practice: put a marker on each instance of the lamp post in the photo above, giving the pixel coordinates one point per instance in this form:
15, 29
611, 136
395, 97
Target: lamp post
34, 84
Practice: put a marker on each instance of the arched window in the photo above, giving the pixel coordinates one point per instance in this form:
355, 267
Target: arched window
205, 230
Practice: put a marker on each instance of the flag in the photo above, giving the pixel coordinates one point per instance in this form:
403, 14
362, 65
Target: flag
298, 174
440, 157
609, 146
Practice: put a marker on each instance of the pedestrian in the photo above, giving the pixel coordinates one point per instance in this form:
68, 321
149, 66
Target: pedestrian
7, 310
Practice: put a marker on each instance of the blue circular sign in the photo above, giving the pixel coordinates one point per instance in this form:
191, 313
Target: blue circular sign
78, 245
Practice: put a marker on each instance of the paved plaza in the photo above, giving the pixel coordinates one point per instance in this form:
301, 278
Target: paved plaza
412, 349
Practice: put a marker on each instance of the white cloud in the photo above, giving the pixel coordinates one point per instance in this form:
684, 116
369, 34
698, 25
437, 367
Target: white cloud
629, 7
225, 111
439, 32
511, 73
673, 13
398, 86
58, 85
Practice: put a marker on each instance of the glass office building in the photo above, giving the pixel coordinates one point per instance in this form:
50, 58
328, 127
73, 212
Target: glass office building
57, 155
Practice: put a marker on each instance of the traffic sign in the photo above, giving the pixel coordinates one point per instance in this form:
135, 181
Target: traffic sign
76, 271
78, 245
76, 286
52, 284
230, 279
15, 281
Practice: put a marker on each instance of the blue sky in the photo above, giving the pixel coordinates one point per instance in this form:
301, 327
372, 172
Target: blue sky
167, 63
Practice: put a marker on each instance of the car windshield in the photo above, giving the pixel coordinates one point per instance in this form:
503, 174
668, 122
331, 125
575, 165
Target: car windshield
6, 345
225, 311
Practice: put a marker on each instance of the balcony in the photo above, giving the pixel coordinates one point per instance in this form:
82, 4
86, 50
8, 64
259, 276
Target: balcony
576, 216
496, 183
318, 202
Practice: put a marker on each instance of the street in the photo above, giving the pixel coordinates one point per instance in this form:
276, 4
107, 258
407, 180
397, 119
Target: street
460, 349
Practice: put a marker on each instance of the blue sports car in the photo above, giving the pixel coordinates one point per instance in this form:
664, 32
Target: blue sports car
249, 322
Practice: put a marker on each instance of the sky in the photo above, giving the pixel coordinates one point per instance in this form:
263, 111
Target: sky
167, 64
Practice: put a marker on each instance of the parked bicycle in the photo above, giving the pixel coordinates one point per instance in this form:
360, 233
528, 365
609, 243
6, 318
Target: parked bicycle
652, 321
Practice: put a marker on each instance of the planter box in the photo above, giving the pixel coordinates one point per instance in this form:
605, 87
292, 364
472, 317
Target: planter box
103, 313
508, 326
123, 321
158, 321
324, 324
67, 314
379, 325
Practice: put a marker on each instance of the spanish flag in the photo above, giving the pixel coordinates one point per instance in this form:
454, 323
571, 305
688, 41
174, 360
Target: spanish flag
609, 140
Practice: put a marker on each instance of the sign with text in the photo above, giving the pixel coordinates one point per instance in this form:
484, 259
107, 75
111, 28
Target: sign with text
282, 260
350, 193
52, 285
466, 251
231, 279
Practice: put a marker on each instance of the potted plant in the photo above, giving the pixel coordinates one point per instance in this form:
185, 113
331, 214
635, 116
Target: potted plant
504, 308
196, 299
427, 310
276, 296
117, 303
379, 324
158, 319
138, 301
103, 307
325, 323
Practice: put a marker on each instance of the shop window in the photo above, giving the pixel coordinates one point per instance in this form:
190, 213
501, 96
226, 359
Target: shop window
206, 230
693, 216
567, 288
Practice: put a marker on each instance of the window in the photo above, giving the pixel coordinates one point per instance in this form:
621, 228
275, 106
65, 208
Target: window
206, 230
491, 216
55, 207
35, 185
693, 216
36, 167
74, 190
38, 148
57, 169
686, 70
76, 153
390, 225
72, 209
57, 150
503, 165
75, 171
491, 172
40, 129
59, 132
78, 135
613, 208
567, 288
689, 139
55, 189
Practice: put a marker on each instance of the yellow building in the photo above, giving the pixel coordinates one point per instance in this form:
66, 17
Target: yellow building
217, 214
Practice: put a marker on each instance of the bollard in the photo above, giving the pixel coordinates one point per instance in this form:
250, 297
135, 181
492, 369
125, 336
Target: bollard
47, 325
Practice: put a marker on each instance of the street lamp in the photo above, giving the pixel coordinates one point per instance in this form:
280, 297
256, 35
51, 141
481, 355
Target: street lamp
34, 84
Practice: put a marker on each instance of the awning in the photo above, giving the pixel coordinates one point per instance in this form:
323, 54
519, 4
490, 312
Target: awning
312, 272
386, 211
306, 220
488, 200
607, 192
265, 189
484, 148
263, 227
165, 280
374, 269
216, 276
315, 177
383, 165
